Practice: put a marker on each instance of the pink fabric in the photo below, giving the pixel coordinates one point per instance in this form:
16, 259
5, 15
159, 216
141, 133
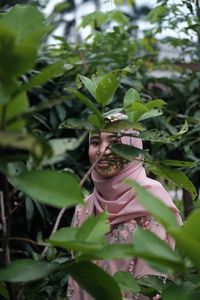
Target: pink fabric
125, 214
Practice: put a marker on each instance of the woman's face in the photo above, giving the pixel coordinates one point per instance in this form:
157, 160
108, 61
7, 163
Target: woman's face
100, 147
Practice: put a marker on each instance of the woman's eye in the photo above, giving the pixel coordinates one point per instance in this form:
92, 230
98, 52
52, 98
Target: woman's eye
94, 142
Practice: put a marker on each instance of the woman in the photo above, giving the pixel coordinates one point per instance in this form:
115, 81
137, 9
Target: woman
125, 213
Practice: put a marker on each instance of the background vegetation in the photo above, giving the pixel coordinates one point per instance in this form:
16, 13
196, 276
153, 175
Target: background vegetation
51, 95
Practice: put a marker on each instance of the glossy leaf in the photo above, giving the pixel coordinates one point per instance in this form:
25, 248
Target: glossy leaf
154, 205
155, 103
185, 291
178, 163
130, 97
25, 270
58, 189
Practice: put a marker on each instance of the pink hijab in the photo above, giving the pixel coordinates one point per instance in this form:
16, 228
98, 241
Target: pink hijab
118, 199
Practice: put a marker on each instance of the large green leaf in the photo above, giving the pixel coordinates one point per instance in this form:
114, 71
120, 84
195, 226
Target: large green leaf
16, 106
147, 242
184, 291
120, 251
21, 29
107, 86
175, 176
191, 225
95, 281
25, 270
58, 189
154, 205
127, 282
130, 97
187, 244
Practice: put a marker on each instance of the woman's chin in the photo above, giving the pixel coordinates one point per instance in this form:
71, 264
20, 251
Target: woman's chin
106, 171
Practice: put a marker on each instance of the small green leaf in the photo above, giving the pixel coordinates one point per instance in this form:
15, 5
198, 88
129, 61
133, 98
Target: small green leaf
178, 163
96, 121
121, 125
155, 103
95, 281
25, 270
154, 205
155, 135
150, 114
185, 291
130, 97
76, 124
125, 151
107, 86
58, 189
89, 84
127, 282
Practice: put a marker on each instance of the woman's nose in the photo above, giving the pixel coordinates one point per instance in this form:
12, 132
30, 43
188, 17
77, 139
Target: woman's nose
105, 149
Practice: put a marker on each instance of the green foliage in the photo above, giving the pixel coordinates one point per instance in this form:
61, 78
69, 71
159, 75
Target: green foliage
32, 147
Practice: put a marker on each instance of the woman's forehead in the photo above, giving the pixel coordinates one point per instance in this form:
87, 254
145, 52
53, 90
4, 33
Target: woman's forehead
103, 134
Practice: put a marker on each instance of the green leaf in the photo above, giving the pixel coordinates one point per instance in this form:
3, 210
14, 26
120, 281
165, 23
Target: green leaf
147, 242
125, 151
95, 281
46, 74
94, 228
191, 225
178, 163
155, 103
21, 30
155, 135
126, 282
96, 121
89, 84
150, 114
58, 189
130, 97
76, 124
122, 125
157, 13
15, 107
85, 101
154, 205
175, 176
153, 282
25, 270
185, 291
25, 142
187, 245
107, 86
